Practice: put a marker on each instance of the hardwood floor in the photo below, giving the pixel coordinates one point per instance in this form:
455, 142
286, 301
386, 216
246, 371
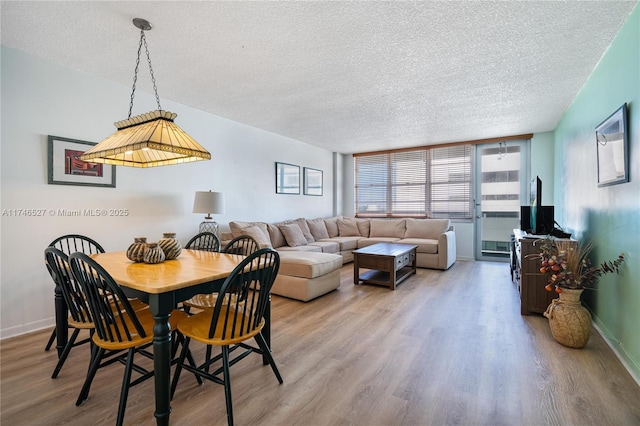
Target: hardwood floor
443, 348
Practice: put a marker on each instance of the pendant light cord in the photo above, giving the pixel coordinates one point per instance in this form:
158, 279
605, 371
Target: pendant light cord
143, 39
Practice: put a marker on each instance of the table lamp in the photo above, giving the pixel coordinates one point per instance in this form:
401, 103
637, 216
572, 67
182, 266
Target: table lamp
210, 203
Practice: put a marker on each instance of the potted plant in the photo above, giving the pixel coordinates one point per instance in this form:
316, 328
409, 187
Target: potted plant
569, 270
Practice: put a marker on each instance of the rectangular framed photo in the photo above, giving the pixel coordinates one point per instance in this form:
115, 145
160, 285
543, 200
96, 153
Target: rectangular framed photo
613, 149
287, 178
66, 168
312, 181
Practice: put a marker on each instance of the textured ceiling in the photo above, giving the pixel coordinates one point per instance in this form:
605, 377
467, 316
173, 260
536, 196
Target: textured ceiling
345, 76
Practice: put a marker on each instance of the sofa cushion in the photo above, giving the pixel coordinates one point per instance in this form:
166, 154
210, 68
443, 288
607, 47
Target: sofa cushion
302, 223
364, 242
293, 234
364, 226
327, 246
305, 289
261, 237
308, 264
346, 243
387, 228
277, 239
306, 248
425, 245
332, 226
426, 228
318, 228
347, 227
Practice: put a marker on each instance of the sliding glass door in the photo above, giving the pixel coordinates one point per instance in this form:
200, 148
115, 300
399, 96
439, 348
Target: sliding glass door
501, 174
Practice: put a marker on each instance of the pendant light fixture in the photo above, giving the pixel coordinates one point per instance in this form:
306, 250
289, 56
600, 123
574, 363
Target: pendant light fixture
150, 139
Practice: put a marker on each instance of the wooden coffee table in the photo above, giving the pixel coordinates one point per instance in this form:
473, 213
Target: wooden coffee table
389, 264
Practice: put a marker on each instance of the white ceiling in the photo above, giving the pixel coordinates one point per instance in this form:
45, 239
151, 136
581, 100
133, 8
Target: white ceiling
345, 76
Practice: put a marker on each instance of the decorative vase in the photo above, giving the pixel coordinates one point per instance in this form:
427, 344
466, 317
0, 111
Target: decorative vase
570, 322
153, 254
136, 250
170, 245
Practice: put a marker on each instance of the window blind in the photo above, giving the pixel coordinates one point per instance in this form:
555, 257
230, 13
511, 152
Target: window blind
434, 182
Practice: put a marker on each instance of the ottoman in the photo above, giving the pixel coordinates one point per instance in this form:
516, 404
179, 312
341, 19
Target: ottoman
307, 275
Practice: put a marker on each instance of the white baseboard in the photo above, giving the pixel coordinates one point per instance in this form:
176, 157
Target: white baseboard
616, 350
30, 327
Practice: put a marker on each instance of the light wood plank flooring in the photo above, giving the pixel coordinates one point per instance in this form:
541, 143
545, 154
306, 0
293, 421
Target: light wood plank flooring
443, 348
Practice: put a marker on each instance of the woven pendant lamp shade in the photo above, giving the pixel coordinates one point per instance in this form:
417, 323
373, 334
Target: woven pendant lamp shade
147, 140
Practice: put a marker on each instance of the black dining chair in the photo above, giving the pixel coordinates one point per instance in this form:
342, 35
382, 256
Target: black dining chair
68, 244
79, 317
238, 316
118, 327
241, 245
205, 241
244, 245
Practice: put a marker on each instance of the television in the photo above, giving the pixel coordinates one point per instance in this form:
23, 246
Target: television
535, 218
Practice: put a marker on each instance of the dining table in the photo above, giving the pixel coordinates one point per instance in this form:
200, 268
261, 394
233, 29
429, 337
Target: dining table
163, 286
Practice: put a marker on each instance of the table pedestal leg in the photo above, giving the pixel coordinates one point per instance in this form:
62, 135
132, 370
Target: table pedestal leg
161, 306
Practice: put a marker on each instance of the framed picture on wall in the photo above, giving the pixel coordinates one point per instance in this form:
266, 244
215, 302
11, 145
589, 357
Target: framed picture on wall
66, 168
287, 178
612, 145
312, 181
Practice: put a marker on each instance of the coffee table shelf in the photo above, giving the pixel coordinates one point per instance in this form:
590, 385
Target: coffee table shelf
389, 264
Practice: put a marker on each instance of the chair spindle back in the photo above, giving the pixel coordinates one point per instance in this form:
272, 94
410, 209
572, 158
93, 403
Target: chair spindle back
113, 317
244, 296
58, 266
72, 243
243, 245
205, 241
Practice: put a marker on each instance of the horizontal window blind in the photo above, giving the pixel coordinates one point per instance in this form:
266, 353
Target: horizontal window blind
435, 182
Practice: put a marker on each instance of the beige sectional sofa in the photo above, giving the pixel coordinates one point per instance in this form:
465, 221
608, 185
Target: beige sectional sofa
330, 242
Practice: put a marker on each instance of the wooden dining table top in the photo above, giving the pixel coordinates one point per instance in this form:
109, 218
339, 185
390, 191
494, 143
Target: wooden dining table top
190, 268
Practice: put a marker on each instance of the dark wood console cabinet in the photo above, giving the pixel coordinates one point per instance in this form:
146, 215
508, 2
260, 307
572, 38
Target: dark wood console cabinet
526, 275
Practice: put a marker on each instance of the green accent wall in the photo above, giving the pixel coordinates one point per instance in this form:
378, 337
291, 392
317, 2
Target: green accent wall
609, 215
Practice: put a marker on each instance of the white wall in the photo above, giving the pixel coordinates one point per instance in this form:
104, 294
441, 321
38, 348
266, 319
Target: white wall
40, 98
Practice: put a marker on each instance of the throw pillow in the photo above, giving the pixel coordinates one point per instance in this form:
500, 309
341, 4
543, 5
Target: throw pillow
302, 223
293, 234
426, 228
363, 226
387, 228
348, 227
318, 228
237, 226
277, 239
258, 234
332, 226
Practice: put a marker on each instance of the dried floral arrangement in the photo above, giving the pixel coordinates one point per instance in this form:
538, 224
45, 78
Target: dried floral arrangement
568, 264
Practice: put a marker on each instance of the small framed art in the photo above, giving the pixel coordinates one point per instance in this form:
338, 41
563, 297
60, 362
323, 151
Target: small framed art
287, 178
312, 181
65, 167
613, 146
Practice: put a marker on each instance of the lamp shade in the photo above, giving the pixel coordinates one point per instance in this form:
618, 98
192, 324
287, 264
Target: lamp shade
208, 202
147, 140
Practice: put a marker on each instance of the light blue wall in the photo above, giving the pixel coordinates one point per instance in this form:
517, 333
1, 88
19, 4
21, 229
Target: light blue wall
609, 215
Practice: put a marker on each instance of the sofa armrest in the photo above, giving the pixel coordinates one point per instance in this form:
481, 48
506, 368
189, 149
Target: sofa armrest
446, 249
